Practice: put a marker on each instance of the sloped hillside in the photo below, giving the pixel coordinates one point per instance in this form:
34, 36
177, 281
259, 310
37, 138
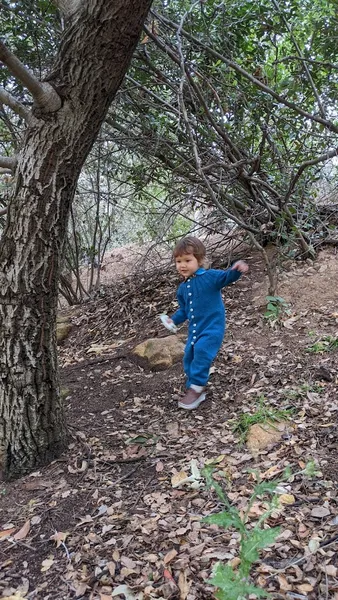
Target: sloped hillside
111, 512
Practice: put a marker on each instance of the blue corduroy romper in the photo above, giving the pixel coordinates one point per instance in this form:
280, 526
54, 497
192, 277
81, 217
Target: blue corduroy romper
200, 300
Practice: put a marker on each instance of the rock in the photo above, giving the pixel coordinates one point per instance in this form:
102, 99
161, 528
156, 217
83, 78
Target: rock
62, 331
161, 352
264, 435
62, 319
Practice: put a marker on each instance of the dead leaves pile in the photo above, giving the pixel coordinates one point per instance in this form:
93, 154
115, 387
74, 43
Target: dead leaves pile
148, 535
120, 516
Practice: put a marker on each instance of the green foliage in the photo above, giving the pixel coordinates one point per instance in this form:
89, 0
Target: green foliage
227, 115
302, 390
231, 584
263, 414
327, 344
234, 584
276, 308
32, 31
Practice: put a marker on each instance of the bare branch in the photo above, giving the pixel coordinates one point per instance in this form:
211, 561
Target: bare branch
7, 162
193, 141
17, 107
44, 95
311, 61
3, 211
5, 170
152, 94
305, 165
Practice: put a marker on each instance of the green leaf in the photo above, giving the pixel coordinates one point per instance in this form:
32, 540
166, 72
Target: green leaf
256, 540
143, 438
232, 585
225, 519
265, 487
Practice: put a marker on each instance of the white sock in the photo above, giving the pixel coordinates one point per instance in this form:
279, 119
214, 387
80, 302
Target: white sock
197, 388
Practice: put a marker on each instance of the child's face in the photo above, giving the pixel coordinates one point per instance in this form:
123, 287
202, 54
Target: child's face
187, 264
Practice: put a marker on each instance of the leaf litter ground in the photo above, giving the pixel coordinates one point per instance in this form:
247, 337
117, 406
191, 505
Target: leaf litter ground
106, 513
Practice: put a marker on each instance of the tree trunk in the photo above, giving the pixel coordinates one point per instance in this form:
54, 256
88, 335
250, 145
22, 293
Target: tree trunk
94, 55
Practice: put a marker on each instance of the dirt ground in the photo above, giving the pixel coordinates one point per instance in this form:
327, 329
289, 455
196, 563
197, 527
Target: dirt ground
106, 513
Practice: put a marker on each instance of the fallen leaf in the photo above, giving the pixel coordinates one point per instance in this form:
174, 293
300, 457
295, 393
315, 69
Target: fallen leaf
287, 499
288, 323
177, 478
235, 562
46, 564
215, 461
127, 592
6, 532
184, 585
36, 520
220, 554
159, 467
111, 566
314, 545
303, 531
84, 520
283, 583
320, 512
305, 587
271, 472
23, 532
330, 570
59, 537
256, 510
81, 590
168, 575
236, 359
169, 556
128, 562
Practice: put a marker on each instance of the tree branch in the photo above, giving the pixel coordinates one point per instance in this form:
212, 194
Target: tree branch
152, 94
265, 88
305, 67
305, 165
7, 162
193, 141
329, 65
15, 105
44, 95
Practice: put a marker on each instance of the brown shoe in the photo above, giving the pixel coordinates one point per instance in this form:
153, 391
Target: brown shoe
192, 399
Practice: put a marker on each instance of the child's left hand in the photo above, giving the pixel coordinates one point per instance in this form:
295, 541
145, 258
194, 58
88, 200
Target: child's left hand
240, 266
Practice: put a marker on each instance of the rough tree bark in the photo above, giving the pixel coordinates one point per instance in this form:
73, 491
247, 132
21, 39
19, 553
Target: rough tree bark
94, 55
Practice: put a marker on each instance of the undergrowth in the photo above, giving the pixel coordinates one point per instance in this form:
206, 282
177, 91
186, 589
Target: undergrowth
327, 344
263, 414
276, 308
232, 584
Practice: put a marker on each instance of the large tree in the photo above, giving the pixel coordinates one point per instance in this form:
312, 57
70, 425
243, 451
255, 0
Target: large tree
69, 104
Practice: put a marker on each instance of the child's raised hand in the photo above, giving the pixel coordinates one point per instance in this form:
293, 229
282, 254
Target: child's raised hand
240, 266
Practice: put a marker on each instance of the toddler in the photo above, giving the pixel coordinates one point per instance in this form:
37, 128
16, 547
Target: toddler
200, 301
